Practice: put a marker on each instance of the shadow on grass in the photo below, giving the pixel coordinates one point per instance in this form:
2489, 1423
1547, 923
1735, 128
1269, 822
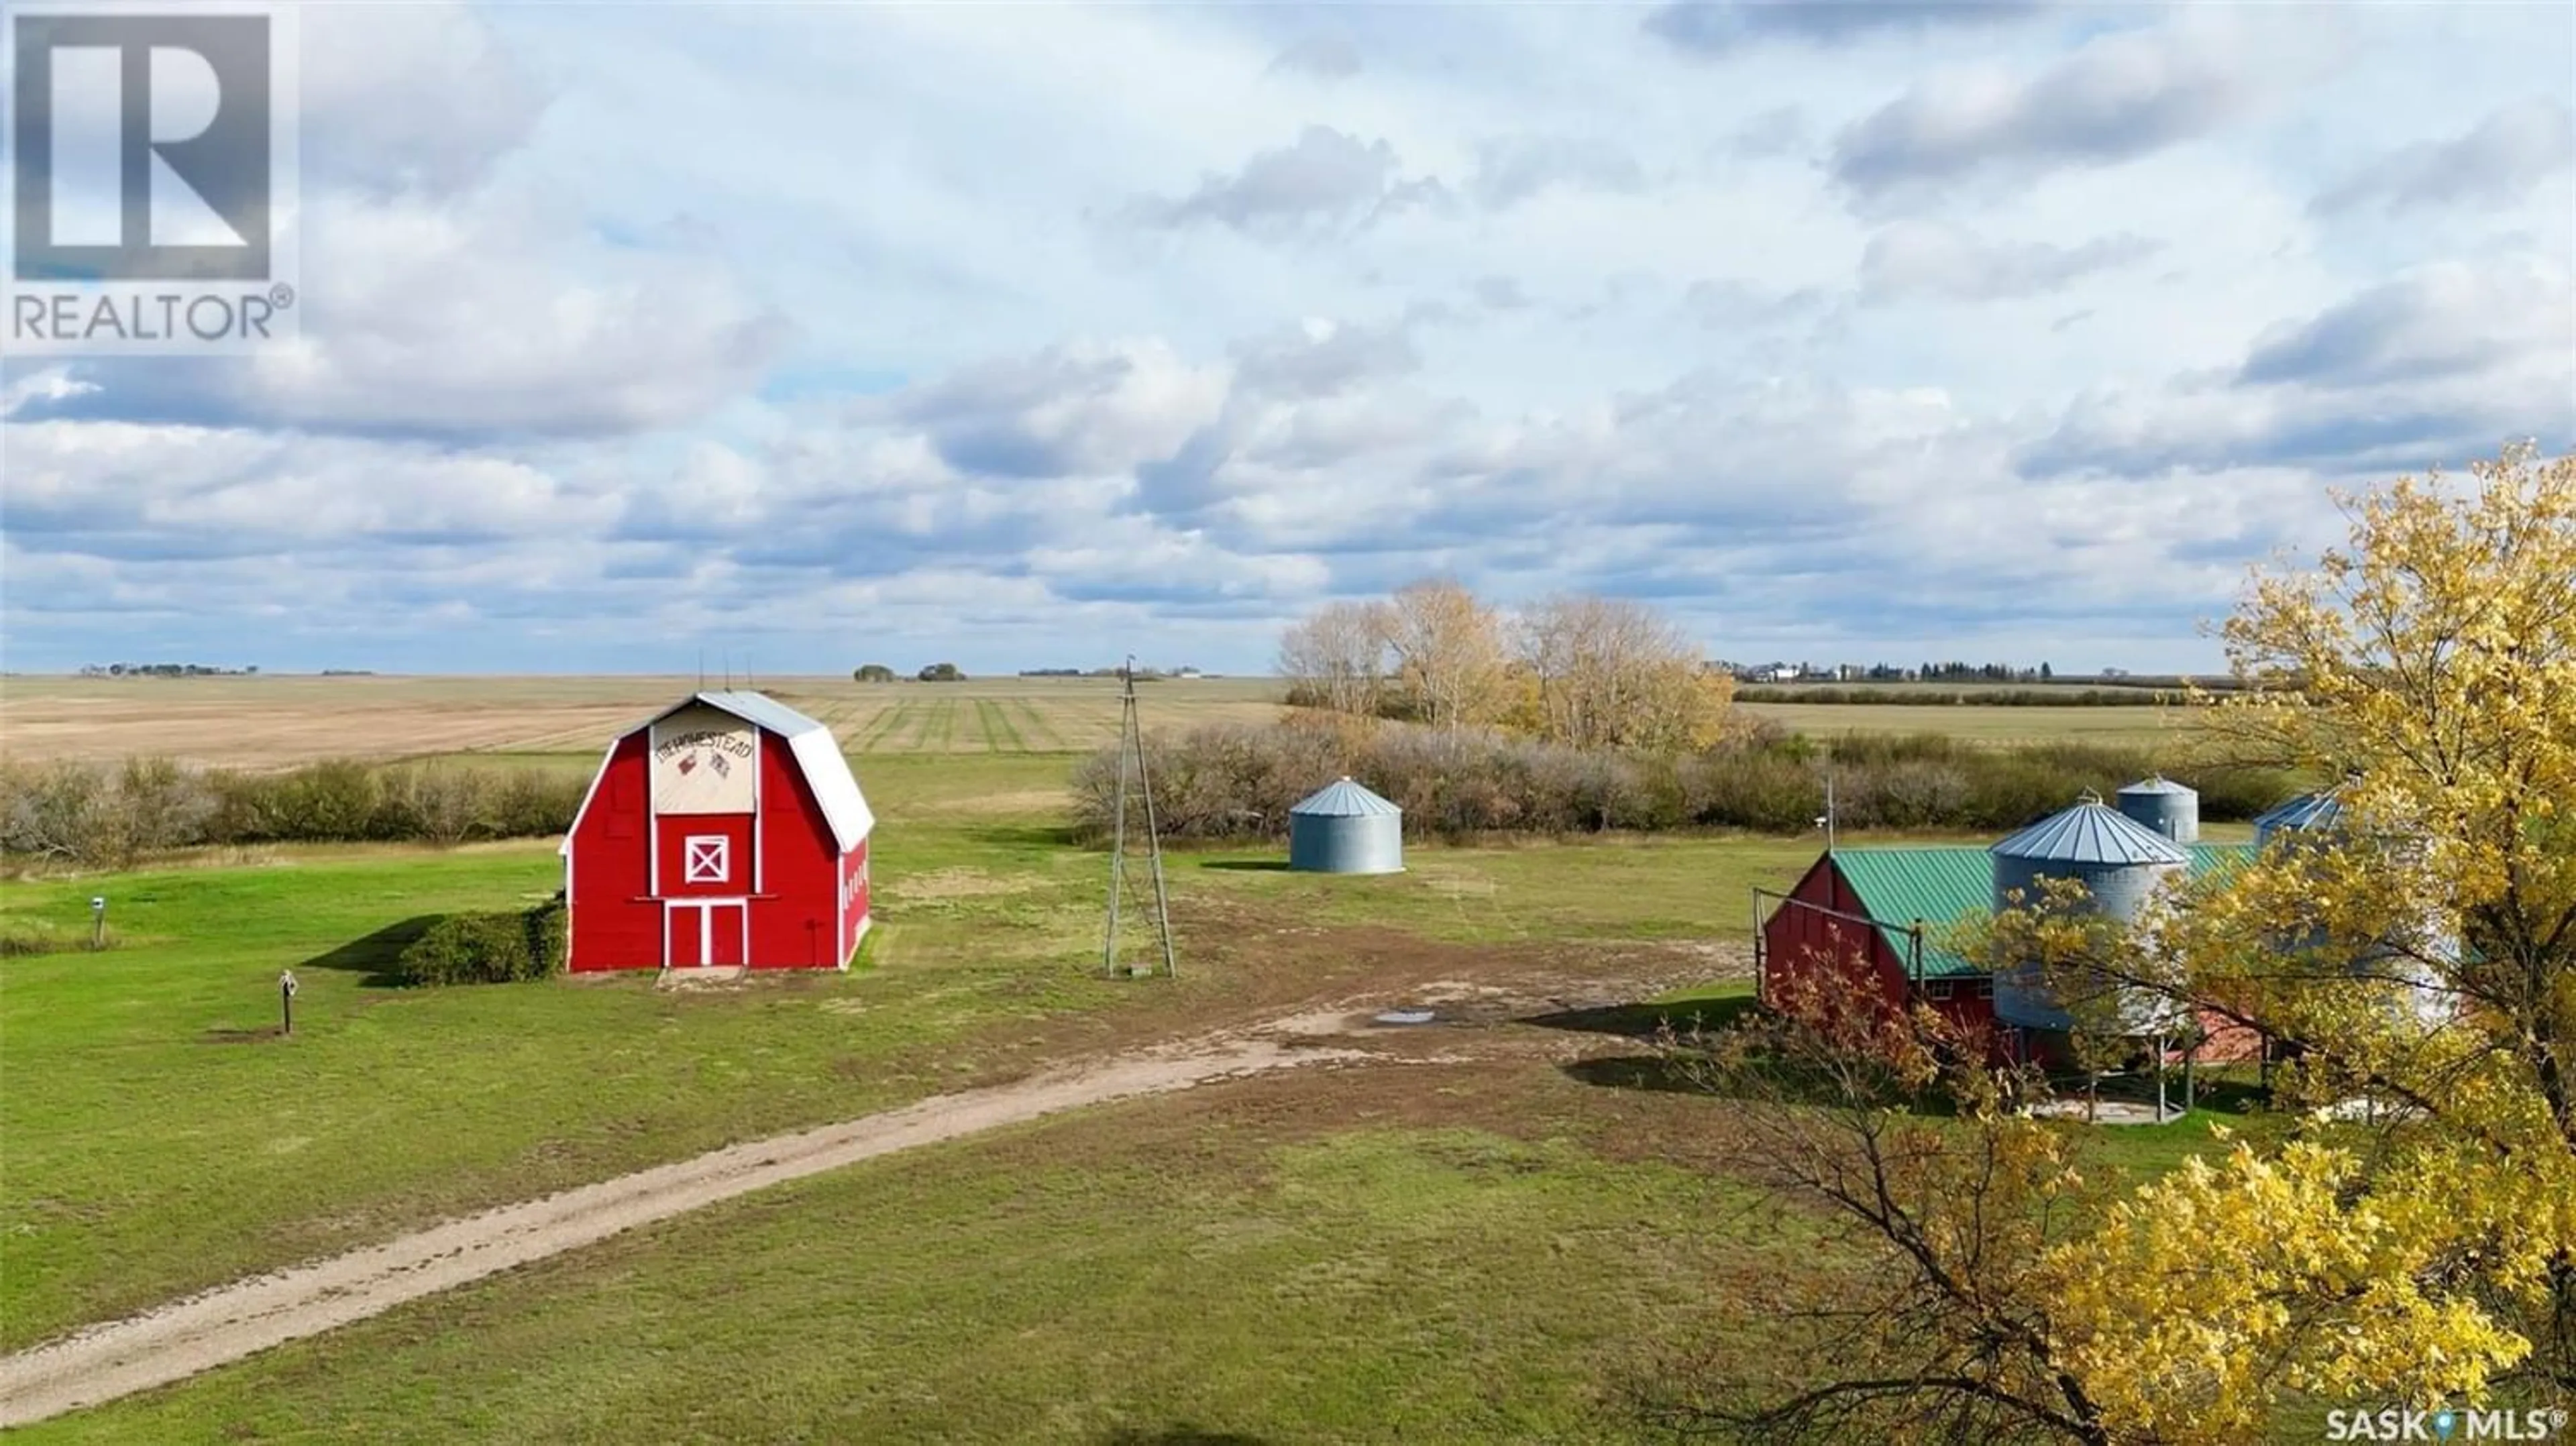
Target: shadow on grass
1179, 1436
1247, 866
374, 954
1044, 836
1649, 1072
1644, 1021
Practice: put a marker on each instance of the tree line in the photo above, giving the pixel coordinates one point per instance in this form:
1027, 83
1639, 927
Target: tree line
1577, 670
1234, 781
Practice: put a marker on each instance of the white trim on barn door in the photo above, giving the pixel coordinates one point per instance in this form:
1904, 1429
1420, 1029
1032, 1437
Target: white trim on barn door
706, 908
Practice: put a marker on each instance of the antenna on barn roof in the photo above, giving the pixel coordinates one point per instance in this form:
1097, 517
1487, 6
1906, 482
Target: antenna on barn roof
702, 669
1131, 745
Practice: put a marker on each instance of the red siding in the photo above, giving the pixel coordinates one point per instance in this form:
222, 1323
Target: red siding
792, 926
615, 923
675, 832
1801, 943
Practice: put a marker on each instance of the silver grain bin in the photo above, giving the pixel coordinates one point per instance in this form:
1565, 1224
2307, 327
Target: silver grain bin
2120, 862
2320, 820
1345, 829
2307, 814
2167, 807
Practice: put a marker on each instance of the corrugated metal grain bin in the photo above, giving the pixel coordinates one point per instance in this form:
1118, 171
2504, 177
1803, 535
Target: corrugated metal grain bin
1345, 829
2308, 814
2167, 807
2119, 862
2320, 820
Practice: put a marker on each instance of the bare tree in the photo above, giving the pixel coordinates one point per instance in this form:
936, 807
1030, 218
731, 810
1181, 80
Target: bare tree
1927, 1317
1337, 659
1612, 673
1451, 658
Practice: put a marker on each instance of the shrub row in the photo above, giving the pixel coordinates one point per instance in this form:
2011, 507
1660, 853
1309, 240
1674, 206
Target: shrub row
486, 948
2056, 697
1231, 781
111, 816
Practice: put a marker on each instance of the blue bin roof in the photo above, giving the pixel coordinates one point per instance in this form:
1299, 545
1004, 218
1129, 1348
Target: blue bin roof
2305, 813
2092, 833
1344, 799
2155, 783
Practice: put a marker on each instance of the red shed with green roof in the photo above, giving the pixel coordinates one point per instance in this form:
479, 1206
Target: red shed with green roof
1878, 915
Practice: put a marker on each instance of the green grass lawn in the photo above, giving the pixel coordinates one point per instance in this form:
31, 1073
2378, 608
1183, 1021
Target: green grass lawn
162, 1139
1189, 1271
1461, 1252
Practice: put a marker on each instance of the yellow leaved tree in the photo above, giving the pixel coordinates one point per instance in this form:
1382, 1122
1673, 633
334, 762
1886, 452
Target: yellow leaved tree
2402, 1231
2411, 950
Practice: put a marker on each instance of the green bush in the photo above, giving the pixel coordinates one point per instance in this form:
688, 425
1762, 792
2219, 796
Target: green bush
486, 948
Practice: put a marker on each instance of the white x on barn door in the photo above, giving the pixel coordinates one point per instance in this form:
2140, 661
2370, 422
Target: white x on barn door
706, 859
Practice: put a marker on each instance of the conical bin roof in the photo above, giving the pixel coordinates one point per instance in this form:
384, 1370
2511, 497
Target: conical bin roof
1344, 799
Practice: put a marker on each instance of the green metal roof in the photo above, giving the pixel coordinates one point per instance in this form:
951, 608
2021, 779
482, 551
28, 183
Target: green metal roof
1941, 884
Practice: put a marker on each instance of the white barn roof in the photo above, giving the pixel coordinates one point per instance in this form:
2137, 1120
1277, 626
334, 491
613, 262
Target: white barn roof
817, 755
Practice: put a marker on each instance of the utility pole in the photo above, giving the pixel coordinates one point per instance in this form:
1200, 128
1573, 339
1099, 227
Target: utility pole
1131, 748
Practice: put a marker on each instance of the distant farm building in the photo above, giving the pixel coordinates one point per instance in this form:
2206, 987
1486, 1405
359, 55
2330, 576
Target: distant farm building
728, 831
1877, 916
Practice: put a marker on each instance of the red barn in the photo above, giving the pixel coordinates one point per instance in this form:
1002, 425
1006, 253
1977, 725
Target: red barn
727, 831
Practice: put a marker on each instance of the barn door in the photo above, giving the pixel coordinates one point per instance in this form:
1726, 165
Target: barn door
727, 930
684, 934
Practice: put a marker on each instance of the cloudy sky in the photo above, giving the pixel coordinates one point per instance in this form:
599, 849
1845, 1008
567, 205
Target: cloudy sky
1030, 335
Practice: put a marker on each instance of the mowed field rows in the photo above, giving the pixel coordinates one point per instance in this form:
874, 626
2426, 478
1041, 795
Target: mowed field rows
282, 721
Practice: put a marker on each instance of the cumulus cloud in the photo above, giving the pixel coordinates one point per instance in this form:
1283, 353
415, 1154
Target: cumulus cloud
1933, 260
1721, 27
1325, 57
1779, 131
118, 489
2119, 97
441, 295
1512, 169
479, 316
2433, 369
554, 417
2494, 163
1078, 408
1321, 358
408, 98
2438, 321
1326, 178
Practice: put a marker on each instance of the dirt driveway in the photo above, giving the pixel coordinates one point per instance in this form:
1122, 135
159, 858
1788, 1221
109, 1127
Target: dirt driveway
175, 1341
